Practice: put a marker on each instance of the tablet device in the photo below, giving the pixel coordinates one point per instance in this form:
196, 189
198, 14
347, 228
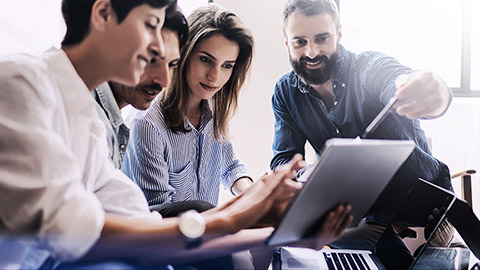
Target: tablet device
348, 172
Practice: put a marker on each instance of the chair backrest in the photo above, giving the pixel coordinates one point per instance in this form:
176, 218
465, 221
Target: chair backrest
466, 180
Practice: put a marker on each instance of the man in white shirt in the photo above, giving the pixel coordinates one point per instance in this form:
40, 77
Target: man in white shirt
58, 188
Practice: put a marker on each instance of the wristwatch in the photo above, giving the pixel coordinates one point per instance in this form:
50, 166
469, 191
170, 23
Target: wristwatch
192, 226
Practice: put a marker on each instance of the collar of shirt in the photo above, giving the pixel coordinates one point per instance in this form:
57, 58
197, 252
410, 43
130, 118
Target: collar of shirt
206, 116
104, 94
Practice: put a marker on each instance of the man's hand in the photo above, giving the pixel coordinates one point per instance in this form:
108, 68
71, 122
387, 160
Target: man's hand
421, 94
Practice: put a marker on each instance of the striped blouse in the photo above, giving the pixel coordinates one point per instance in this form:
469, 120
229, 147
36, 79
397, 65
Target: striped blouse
172, 167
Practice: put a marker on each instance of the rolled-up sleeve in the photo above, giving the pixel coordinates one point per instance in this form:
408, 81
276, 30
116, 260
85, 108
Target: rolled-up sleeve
41, 192
233, 169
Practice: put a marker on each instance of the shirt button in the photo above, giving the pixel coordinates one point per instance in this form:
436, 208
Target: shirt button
122, 146
338, 132
334, 86
335, 103
343, 85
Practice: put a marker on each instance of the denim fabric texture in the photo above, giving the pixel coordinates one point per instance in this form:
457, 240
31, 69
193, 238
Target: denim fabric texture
362, 86
117, 132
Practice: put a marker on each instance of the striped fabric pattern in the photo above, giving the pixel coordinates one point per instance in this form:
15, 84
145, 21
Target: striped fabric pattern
173, 167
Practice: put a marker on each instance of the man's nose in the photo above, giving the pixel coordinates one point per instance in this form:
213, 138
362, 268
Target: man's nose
156, 48
162, 75
312, 51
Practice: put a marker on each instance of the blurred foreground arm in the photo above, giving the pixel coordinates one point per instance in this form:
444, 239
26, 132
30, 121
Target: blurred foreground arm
160, 241
422, 94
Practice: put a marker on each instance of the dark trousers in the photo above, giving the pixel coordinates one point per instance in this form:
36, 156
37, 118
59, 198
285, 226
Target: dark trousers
176, 208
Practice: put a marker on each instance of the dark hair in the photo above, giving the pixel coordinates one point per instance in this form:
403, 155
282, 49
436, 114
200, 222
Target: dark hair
312, 7
206, 22
176, 22
77, 13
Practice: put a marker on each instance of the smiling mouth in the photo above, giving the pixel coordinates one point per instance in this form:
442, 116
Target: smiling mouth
151, 92
313, 64
208, 88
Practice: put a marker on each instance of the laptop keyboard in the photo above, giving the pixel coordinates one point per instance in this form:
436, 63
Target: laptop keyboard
345, 261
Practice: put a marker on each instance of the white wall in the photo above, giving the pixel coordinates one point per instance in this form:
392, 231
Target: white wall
252, 127
30, 26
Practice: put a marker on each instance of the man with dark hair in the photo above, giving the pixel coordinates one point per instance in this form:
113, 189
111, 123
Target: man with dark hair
333, 92
60, 192
112, 97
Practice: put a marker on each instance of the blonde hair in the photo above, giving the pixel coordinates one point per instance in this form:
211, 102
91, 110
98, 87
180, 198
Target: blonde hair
204, 23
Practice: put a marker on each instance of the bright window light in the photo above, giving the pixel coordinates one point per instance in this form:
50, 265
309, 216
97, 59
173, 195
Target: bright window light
422, 34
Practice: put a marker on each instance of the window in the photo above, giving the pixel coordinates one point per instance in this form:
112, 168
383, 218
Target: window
439, 35
475, 48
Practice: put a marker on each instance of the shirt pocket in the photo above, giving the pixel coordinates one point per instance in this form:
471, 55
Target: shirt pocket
183, 183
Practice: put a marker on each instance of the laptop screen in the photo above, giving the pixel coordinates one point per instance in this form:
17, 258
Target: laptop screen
430, 201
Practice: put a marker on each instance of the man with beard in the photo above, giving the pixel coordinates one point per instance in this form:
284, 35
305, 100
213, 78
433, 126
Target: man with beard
112, 97
333, 92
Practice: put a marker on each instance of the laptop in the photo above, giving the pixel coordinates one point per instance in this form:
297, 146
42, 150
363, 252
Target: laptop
459, 213
348, 171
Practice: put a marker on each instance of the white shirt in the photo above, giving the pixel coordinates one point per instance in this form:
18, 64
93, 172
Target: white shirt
56, 180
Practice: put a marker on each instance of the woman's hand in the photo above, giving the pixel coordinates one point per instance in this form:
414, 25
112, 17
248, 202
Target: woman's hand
266, 199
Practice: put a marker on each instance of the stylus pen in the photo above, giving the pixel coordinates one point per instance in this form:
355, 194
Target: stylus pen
380, 117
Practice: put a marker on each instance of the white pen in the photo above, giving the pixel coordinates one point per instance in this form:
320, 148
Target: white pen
380, 117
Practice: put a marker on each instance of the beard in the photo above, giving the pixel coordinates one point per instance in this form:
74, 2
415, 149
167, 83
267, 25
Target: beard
320, 75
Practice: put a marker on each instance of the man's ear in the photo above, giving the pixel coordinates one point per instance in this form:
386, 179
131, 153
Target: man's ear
102, 14
339, 33
285, 39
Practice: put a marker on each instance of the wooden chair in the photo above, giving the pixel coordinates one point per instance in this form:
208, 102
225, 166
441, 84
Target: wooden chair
466, 182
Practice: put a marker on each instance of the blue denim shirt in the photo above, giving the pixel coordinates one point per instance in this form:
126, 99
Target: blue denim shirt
110, 114
362, 86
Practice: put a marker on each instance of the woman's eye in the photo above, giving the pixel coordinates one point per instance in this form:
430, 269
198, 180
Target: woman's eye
205, 59
228, 66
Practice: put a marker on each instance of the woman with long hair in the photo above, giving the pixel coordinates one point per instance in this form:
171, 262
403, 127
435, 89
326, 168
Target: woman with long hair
180, 149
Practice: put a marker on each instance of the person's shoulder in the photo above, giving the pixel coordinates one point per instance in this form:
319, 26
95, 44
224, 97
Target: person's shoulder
153, 116
287, 77
29, 66
30, 77
373, 57
287, 81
